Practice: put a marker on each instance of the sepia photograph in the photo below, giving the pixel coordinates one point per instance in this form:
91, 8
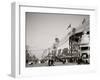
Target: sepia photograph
54, 39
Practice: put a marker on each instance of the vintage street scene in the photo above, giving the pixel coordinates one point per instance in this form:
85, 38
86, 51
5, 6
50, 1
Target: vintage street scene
54, 39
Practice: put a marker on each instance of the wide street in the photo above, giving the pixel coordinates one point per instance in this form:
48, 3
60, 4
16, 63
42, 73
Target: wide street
46, 64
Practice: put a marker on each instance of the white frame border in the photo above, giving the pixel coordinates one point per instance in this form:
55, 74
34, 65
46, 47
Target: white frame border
16, 68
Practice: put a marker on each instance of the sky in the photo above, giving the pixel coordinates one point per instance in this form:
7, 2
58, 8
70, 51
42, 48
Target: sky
43, 28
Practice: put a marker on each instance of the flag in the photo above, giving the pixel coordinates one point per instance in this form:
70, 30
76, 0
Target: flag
69, 26
83, 21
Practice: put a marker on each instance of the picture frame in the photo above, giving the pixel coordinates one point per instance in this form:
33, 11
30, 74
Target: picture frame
18, 68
